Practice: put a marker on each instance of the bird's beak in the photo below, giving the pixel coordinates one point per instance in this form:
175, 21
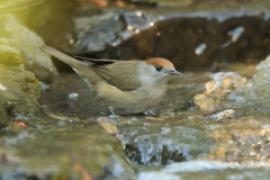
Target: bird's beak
174, 72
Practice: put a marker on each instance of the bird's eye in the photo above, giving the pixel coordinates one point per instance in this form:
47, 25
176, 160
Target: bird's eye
158, 68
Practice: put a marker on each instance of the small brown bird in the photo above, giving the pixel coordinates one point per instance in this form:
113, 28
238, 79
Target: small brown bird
128, 87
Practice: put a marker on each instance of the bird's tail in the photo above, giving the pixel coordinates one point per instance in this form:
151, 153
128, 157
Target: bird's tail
74, 63
81, 68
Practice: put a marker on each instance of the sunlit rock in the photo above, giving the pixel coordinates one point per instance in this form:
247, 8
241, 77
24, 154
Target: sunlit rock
206, 103
19, 44
9, 53
20, 57
219, 90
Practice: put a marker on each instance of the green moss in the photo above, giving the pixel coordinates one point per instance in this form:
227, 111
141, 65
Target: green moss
19, 91
9, 53
21, 45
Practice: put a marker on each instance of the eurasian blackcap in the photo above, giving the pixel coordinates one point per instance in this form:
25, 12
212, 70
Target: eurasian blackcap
129, 87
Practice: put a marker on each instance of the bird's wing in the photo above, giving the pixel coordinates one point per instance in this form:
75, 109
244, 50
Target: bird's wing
122, 74
94, 60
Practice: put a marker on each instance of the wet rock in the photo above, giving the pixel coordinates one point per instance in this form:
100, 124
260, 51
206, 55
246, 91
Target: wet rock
206, 104
215, 170
230, 90
63, 151
258, 87
19, 92
243, 139
153, 145
229, 113
93, 25
20, 57
108, 29
219, 91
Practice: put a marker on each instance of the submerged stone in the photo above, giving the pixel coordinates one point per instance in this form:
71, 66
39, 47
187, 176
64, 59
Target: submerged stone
153, 145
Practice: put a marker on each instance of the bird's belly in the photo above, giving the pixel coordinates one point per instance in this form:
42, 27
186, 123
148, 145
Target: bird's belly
125, 108
133, 102
130, 102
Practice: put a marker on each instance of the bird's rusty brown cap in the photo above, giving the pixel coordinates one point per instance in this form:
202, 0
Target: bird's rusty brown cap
159, 62
163, 65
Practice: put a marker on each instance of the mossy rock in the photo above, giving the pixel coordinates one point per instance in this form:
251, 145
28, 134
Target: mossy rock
63, 152
21, 46
19, 92
9, 53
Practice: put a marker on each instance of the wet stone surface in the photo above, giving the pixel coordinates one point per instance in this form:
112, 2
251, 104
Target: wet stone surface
155, 146
52, 149
206, 170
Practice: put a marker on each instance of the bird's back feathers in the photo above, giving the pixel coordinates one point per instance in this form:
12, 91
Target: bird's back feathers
116, 73
120, 74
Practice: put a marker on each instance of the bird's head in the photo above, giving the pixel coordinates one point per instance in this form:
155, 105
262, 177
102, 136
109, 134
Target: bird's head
162, 65
158, 68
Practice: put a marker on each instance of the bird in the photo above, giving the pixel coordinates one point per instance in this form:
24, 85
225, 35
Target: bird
126, 87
